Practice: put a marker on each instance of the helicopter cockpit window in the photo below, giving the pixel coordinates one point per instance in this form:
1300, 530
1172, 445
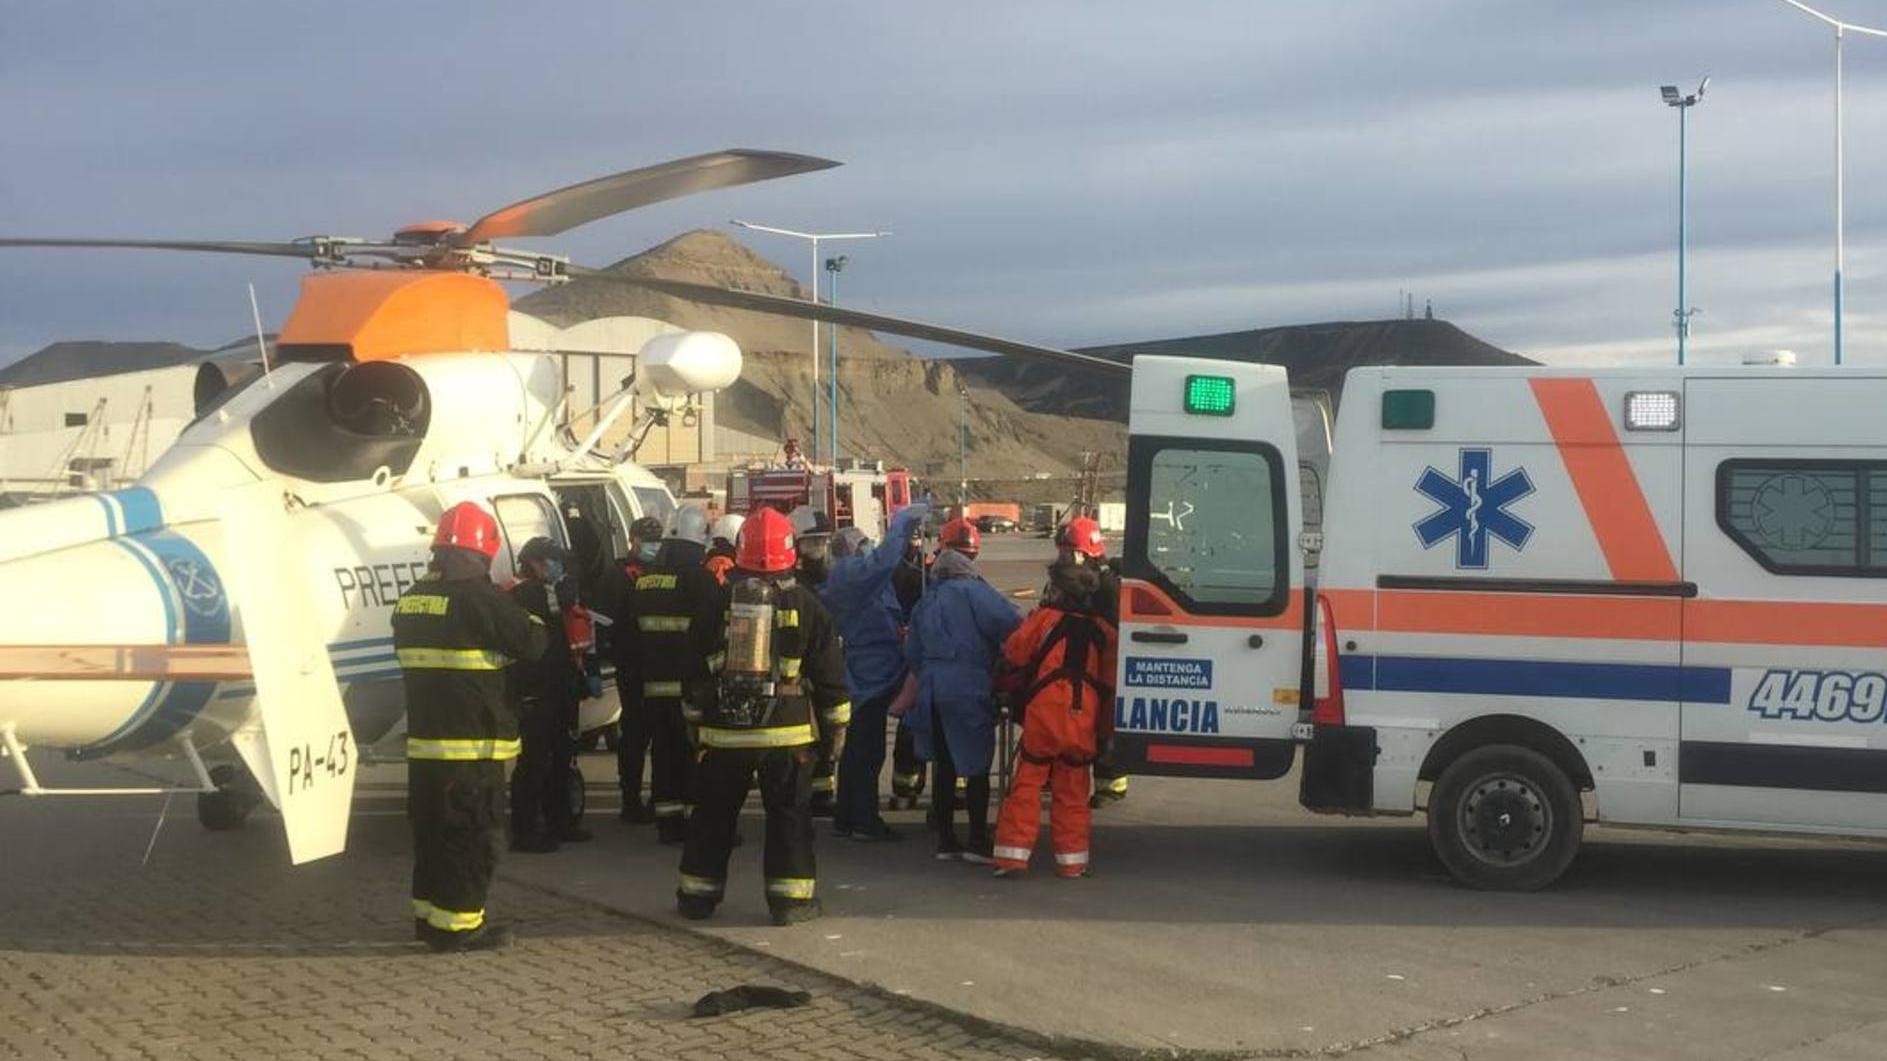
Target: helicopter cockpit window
345, 422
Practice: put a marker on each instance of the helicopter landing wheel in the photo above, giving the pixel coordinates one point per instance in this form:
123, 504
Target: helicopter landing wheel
231, 804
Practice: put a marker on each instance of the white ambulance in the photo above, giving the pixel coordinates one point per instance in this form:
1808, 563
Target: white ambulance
1542, 596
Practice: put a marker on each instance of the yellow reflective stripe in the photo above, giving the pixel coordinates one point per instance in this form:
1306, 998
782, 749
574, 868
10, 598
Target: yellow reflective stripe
422, 909
791, 887
690, 712
786, 617
691, 885
657, 582
774, 737
838, 714
670, 810
667, 689
423, 604
1114, 784
717, 661
460, 750
452, 659
789, 668
662, 624
453, 920
822, 784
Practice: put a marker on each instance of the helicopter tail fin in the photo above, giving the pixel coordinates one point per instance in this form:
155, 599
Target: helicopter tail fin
299, 746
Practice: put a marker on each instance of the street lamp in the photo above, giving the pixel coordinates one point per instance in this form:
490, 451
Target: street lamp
1683, 103
963, 445
833, 266
814, 238
1841, 28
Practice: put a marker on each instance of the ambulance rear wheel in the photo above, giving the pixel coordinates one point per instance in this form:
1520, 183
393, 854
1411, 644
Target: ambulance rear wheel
1505, 818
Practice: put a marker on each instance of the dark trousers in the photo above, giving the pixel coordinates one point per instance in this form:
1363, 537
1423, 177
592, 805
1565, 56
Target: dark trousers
671, 761
943, 802
907, 770
860, 764
457, 811
632, 744
723, 777
540, 780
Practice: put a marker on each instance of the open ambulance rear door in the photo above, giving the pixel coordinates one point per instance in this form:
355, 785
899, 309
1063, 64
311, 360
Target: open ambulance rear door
1211, 608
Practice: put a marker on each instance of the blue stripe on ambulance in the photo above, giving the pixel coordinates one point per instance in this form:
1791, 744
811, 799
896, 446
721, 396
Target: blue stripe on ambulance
1542, 678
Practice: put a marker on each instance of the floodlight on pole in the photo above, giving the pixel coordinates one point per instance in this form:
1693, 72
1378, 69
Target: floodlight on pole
1842, 29
1683, 103
813, 238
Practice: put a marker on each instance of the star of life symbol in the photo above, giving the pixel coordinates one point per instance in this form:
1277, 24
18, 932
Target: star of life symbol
1474, 508
201, 591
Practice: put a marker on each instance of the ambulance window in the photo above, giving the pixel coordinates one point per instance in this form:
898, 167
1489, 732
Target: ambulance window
1209, 524
1798, 517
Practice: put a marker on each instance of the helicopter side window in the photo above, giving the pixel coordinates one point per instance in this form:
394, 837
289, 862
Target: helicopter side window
345, 422
523, 517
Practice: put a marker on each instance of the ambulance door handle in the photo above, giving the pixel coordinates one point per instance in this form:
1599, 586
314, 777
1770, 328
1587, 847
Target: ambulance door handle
1158, 637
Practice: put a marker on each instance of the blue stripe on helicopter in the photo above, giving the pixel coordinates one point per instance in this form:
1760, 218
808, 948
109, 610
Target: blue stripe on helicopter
196, 612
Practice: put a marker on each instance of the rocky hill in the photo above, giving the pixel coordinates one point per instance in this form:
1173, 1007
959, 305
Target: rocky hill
893, 405
1317, 356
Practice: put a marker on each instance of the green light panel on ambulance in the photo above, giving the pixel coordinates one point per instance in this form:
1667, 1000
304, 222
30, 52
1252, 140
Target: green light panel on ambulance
1408, 410
1210, 395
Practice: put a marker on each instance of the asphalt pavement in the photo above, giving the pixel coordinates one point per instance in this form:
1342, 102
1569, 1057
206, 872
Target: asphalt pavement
1221, 920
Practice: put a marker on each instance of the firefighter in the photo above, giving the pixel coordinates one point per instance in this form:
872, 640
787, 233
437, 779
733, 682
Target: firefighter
634, 727
548, 691
772, 701
957, 634
1079, 542
812, 538
1061, 676
454, 632
721, 546
870, 619
654, 635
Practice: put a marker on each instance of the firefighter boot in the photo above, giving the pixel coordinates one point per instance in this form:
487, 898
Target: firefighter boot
487, 936
796, 911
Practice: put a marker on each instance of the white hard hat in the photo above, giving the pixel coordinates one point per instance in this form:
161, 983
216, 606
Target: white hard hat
690, 525
727, 528
805, 520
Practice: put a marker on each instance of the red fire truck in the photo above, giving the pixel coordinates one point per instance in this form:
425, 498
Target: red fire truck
863, 495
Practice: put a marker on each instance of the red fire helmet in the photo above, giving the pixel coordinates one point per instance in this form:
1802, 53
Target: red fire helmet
765, 545
467, 525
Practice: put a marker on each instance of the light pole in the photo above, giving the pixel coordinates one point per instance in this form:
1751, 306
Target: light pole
963, 445
1683, 103
833, 266
1841, 29
814, 238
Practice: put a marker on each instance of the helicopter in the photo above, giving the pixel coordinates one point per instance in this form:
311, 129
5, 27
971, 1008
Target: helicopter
231, 607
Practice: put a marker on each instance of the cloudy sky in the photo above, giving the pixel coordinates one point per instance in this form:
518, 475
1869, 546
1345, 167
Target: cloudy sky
1064, 172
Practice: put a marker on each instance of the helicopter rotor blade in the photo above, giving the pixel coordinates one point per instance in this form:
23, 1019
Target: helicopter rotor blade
273, 250
579, 204
757, 302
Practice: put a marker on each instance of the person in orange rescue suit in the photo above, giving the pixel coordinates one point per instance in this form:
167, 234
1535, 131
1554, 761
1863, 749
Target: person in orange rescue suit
1060, 673
772, 703
1079, 541
454, 633
548, 691
635, 729
673, 604
721, 546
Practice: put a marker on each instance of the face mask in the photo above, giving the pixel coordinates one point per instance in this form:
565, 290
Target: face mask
553, 570
646, 552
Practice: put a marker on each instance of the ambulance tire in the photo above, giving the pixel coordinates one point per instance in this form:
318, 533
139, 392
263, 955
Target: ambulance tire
1505, 818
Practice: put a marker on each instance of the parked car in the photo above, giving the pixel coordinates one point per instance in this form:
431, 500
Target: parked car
995, 524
